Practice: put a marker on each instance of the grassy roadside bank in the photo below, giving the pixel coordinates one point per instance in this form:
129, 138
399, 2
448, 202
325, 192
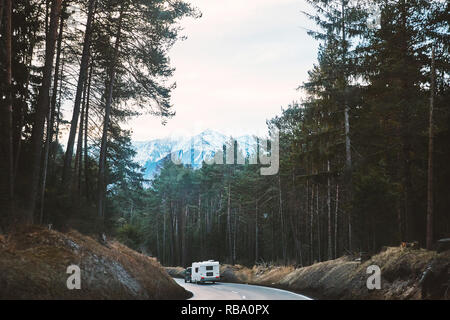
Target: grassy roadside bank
34, 261
343, 278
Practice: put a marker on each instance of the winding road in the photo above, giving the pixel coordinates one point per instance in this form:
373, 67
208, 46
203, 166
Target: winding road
235, 291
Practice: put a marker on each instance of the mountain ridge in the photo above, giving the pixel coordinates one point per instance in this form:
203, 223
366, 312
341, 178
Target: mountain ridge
190, 149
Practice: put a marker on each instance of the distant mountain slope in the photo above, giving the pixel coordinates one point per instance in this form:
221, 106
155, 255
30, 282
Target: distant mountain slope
192, 150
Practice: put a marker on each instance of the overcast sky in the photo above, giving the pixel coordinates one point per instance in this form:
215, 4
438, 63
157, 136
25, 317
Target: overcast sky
240, 64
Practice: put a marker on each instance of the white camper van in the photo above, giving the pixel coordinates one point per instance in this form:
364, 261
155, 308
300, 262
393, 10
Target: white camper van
204, 271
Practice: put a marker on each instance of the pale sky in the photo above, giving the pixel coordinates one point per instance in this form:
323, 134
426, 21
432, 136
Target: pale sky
240, 64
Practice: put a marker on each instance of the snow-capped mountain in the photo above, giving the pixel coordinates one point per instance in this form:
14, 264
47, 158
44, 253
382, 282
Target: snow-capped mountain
191, 150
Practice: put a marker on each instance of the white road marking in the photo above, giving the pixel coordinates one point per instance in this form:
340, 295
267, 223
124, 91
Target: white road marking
229, 291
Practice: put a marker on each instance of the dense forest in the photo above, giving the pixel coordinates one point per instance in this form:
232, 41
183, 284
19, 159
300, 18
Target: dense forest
105, 61
363, 157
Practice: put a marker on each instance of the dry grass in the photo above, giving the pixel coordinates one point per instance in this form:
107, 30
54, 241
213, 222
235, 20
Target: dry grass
330, 278
343, 278
176, 272
401, 270
33, 265
271, 275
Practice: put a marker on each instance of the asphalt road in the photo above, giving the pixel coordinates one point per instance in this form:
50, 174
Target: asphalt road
235, 291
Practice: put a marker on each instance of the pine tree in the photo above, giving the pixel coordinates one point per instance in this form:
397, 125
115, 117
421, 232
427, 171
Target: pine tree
42, 108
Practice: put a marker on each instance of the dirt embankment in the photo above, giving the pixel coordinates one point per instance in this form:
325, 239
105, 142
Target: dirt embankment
33, 265
343, 278
176, 272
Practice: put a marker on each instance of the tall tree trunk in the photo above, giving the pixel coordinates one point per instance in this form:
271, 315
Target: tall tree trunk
158, 254
164, 236
208, 216
199, 214
80, 85
86, 130
430, 158
330, 250
183, 248
348, 153
235, 232
47, 15
2, 5
172, 234
311, 234
79, 150
230, 245
293, 225
256, 231
336, 221
349, 232
8, 118
56, 76
103, 147
51, 114
58, 111
318, 225
178, 230
201, 223
42, 107
23, 107
44, 167
405, 125
283, 241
